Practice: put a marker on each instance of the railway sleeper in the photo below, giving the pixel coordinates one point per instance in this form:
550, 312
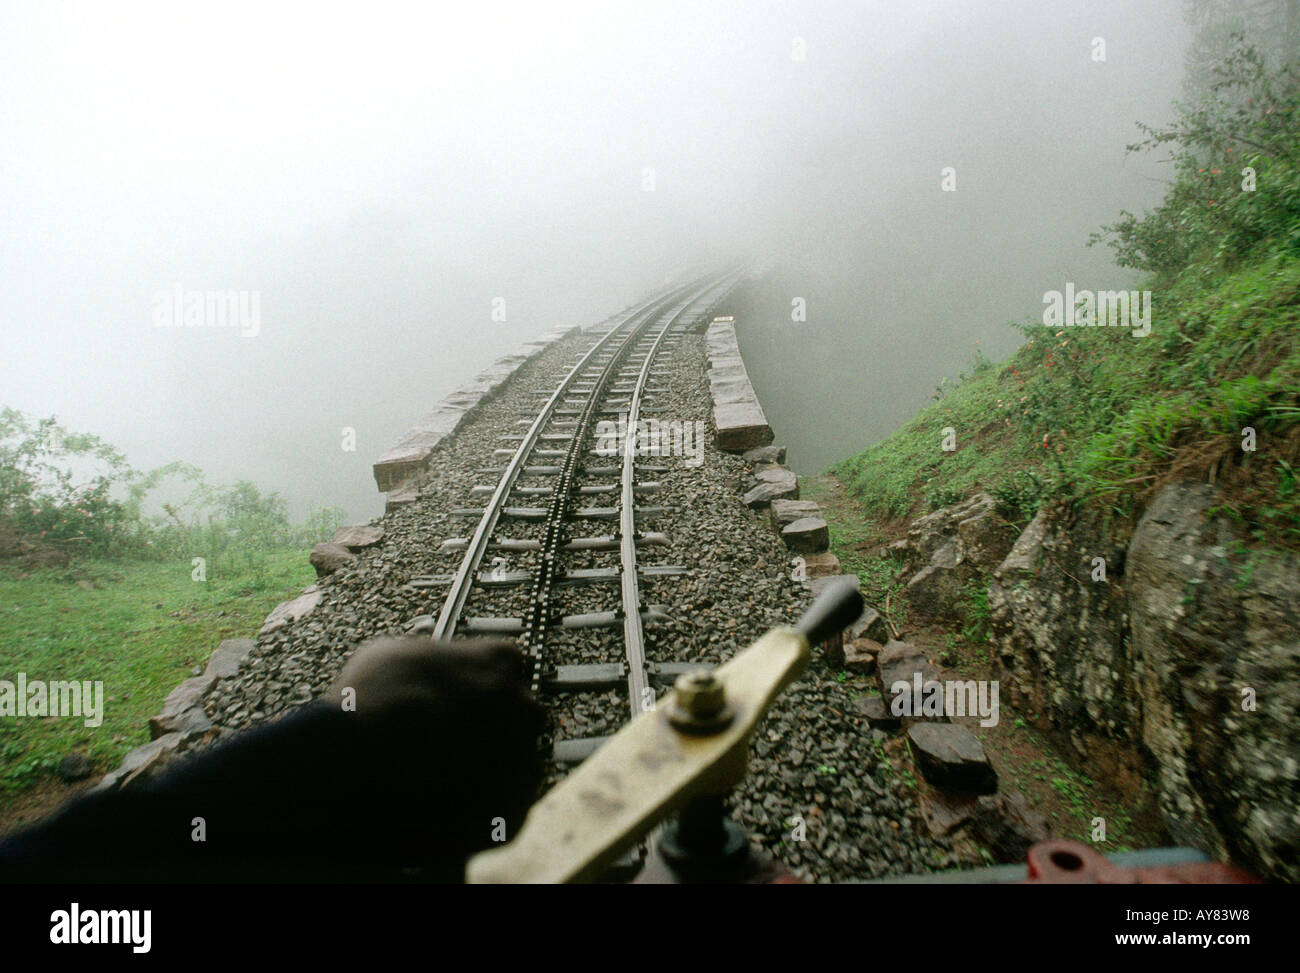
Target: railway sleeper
570, 753
600, 543
505, 579
581, 513
486, 625
584, 491
556, 470
599, 677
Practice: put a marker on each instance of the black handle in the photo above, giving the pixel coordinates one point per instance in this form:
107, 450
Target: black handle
836, 608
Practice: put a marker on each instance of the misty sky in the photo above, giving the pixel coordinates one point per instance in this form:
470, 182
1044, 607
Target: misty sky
379, 174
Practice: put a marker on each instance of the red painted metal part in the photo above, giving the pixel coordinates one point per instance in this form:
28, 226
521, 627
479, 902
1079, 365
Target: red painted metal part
1063, 862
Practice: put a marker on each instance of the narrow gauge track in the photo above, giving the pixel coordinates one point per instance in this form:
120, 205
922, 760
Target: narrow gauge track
612, 379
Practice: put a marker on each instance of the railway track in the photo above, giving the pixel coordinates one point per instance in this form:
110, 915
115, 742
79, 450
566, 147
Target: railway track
568, 471
533, 472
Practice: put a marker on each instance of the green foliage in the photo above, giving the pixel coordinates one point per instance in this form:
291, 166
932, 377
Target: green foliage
937, 496
55, 485
78, 492
1021, 493
1246, 120
978, 620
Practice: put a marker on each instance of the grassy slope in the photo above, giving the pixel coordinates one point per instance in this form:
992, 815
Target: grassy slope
140, 629
1101, 415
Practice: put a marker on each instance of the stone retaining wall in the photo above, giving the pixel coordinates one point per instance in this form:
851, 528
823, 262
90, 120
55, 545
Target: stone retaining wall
411, 452
737, 415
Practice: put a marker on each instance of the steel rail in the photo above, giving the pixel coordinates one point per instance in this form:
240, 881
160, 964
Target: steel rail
461, 584
633, 628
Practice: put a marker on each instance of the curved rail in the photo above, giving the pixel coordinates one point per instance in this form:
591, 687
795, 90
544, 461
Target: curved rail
633, 629
449, 616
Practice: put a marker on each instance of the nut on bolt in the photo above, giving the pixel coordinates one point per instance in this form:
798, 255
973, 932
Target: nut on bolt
700, 703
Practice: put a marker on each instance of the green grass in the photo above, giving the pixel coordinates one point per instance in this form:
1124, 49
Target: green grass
140, 630
1099, 415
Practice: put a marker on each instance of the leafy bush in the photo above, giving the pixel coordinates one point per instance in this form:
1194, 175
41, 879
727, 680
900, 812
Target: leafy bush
76, 492
55, 485
1237, 160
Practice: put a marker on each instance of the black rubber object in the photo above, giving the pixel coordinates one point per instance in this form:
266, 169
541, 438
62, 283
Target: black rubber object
836, 608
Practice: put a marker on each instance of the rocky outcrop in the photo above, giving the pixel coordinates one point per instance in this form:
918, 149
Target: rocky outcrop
1170, 650
1061, 635
950, 550
1215, 639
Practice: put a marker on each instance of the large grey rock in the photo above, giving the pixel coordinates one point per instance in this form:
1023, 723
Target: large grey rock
1023, 559
1061, 637
227, 657
291, 611
956, 548
328, 558
1208, 629
876, 712
782, 487
358, 536
767, 473
764, 454
902, 662
808, 535
788, 511
970, 536
860, 655
1008, 826
822, 564
951, 757
1148, 673
938, 591
174, 716
870, 624
141, 764
945, 813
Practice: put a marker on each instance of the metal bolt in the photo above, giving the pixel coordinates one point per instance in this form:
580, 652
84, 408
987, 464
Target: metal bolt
700, 693
701, 703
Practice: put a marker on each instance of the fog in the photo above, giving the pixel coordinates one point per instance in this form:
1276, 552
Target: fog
383, 177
